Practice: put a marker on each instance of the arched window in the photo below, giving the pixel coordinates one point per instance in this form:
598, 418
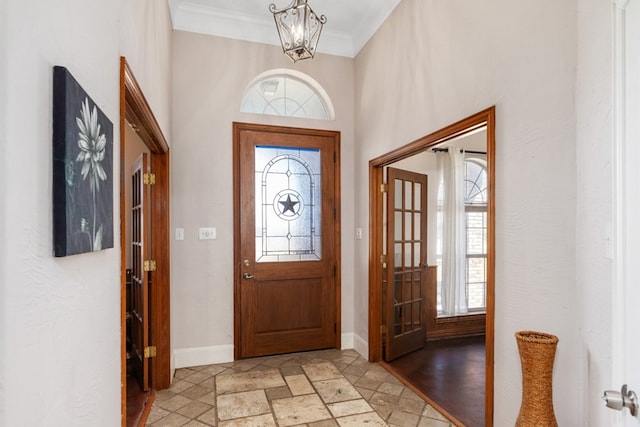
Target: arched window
288, 93
475, 200
475, 211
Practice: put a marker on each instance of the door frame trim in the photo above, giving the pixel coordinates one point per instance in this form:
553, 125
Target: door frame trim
376, 170
237, 258
135, 110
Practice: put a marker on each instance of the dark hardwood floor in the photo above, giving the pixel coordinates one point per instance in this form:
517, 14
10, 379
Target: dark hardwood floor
451, 374
138, 403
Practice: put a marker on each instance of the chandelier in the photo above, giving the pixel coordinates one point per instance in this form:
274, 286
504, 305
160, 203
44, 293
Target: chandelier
299, 29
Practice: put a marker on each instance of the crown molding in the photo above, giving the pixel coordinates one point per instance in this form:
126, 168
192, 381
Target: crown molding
200, 18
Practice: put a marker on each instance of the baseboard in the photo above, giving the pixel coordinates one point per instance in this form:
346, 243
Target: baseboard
197, 356
355, 342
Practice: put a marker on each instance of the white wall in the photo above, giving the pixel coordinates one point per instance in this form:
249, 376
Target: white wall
60, 333
433, 63
210, 75
3, 179
594, 191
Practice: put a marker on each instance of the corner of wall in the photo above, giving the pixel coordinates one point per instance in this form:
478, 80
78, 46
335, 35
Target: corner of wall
198, 356
354, 341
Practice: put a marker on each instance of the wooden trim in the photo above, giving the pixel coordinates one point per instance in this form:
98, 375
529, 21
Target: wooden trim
475, 121
135, 111
123, 259
375, 265
147, 409
491, 269
237, 318
139, 114
449, 326
160, 300
338, 242
237, 128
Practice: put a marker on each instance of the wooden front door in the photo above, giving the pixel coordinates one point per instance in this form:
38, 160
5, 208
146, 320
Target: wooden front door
287, 240
139, 277
406, 262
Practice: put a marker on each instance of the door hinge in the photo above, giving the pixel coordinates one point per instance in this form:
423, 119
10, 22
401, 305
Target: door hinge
149, 265
335, 328
384, 188
383, 259
149, 178
150, 352
382, 329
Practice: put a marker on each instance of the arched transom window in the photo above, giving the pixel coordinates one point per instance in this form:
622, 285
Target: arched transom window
287, 93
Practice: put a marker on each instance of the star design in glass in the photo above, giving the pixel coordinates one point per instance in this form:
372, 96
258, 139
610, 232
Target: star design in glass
288, 205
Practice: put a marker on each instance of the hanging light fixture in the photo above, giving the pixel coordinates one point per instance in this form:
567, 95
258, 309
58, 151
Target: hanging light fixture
299, 29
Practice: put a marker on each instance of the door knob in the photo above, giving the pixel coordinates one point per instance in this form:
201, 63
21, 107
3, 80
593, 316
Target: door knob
619, 400
248, 276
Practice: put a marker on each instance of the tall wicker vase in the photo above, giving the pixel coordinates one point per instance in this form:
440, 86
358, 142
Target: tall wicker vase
537, 352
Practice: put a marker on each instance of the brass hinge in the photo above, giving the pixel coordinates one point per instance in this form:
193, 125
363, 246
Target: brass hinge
149, 178
382, 329
149, 265
150, 352
383, 259
384, 188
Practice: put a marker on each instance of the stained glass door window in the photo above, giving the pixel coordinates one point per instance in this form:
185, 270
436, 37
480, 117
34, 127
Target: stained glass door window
288, 204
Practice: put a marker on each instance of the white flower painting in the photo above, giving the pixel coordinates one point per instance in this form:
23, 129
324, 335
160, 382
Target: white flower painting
83, 170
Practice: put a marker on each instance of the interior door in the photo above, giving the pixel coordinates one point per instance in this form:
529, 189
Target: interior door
286, 257
406, 262
632, 288
139, 277
626, 316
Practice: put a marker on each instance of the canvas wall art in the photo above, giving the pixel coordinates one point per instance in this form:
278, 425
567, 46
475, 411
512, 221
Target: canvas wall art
82, 170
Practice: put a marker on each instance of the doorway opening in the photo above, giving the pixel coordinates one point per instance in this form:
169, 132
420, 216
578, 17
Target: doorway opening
140, 134
394, 287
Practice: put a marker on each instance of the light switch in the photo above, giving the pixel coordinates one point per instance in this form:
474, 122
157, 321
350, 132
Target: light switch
180, 233
207, 233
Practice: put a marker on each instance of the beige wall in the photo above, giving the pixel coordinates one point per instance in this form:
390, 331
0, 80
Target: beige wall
594, 267
433, 63
210, 75
60, 317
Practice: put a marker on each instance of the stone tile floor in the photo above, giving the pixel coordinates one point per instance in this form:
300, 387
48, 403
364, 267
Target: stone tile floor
315, 389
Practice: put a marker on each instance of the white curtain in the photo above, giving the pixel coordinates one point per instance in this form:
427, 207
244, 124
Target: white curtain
454, 235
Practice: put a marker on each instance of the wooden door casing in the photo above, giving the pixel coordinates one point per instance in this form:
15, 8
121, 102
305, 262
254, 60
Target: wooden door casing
284, 307
136, 112
485, 118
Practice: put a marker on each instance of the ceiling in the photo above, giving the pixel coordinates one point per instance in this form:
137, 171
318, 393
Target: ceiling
350, 23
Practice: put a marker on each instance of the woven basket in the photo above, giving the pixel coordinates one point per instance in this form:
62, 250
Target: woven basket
537, 353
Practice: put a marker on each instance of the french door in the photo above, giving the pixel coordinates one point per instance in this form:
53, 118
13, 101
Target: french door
286, 240
139, 277
406, 262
